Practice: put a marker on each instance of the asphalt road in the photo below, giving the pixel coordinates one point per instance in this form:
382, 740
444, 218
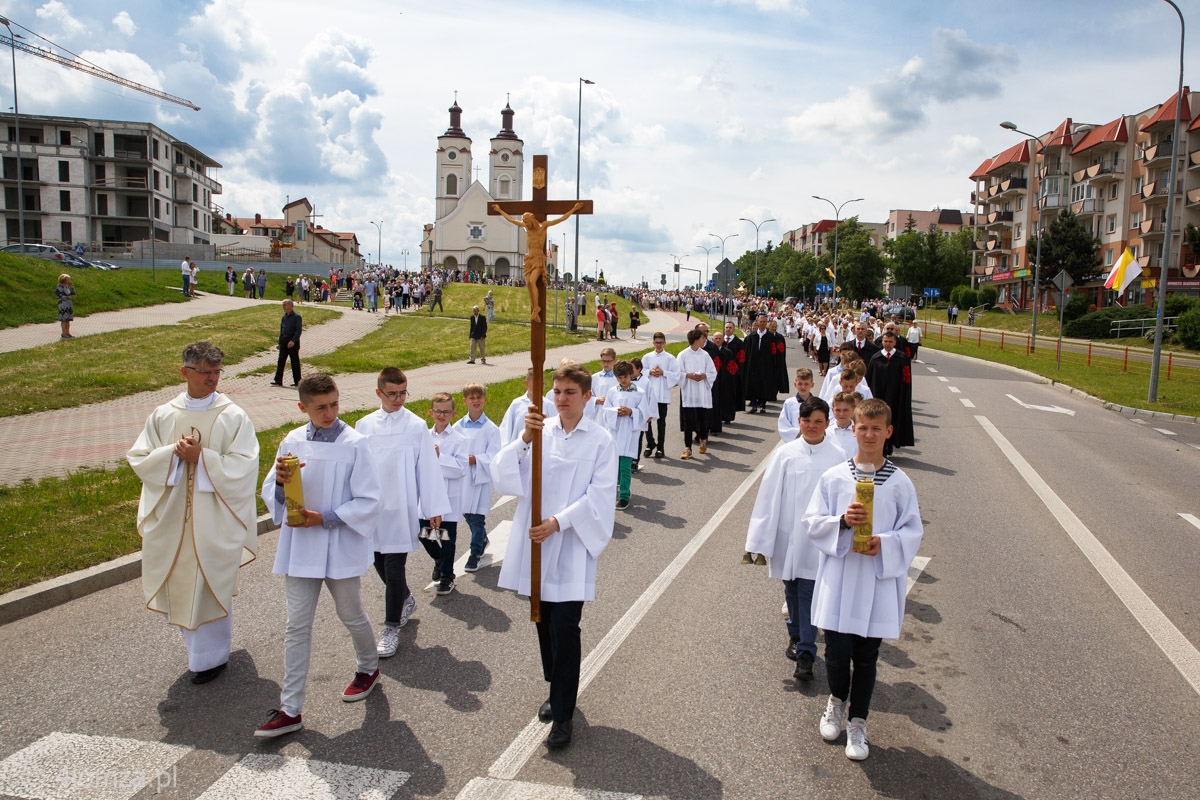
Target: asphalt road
1021, 672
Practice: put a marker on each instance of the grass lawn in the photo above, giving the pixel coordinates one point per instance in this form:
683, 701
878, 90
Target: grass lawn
58, 525
414, 340
27, 290
512, 304
92, 369
1105, 378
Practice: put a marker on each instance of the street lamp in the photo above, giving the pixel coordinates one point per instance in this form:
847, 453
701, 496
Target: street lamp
404, 255
675, 260
578, 151
379, 249
12, 41
1167, 232
727, 299
1037, 266
756, 227
837, 220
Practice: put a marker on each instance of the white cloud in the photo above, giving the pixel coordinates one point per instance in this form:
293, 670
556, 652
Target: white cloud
797, 7
55, 13
124, 23
731, 129
963, 145
757, 174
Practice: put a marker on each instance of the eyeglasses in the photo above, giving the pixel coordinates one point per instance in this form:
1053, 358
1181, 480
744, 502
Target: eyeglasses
442, 412
394, 396
205, 372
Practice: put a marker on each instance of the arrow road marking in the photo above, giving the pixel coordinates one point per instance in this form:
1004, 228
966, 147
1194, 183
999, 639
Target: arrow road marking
1054, 409
1165, 432
1191, 518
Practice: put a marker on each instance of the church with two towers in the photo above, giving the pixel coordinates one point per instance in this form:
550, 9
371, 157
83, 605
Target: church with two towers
463, 234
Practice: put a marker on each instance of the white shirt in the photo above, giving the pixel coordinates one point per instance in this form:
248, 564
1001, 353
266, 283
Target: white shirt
514, 417
483, 443
659, 389
624, 430
695, 394
452, 457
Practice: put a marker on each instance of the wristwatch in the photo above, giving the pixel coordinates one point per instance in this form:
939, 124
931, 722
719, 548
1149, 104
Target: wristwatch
842, 522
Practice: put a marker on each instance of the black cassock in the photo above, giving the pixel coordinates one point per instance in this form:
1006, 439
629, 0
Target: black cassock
730, 393
901, 344
890, 380
761, 379
737, 352
714, 413
779, 353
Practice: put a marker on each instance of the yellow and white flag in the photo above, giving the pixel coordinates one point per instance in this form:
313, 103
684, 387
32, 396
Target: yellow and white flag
1123, 273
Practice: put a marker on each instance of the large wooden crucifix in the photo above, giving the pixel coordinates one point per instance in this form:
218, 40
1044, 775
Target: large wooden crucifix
532, 216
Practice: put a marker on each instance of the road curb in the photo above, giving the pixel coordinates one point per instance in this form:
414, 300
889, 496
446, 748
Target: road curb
1128, 410
30, 600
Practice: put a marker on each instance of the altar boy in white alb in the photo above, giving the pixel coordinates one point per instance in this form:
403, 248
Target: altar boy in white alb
406, 461
859, 597
661, 376
514, 417
775, 524
197, 458
332, 547
483, 442
579, 469
697, 373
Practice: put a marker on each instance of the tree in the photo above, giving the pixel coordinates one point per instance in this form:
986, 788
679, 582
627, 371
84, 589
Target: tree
929, 259
1066, 244
861, 269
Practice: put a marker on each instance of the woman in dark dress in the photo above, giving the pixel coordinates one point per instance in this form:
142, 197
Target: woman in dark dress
66, 309
635, 322
822, 338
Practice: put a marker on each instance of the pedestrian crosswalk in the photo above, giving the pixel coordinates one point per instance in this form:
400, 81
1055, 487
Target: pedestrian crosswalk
493, 789
267, 777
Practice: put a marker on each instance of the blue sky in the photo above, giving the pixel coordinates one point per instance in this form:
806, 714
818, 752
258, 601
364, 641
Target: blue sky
702, 112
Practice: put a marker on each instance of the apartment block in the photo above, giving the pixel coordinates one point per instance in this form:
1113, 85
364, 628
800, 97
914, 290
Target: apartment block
104, 183
1114, 177
947, 220
817, 237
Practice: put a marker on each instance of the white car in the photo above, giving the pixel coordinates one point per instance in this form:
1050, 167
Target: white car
43, 251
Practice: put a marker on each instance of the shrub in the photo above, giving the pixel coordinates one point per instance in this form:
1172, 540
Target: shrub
969, 297
1178, 305
988, 295
1188, 326
1078, 304
1098, 324
956, 296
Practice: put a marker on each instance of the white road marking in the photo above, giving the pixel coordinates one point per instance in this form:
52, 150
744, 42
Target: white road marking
954, 390
503, 499
1170, 640
1139, 421
1166, 432
492, 555
943, 379
931, 369
1054, 409
966, 402
491, 789
1191, 518
96, 767
1197, 446
511, 760
914, 571
269, 776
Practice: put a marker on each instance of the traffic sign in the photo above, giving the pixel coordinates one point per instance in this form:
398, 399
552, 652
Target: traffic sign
1063, 281
1061, 299
933, 292
824, 288
663, 280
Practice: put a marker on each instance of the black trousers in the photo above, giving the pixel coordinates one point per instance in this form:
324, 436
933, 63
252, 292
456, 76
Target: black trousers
286, 353
558, 638
661, 424
390, 567
693, 420
842, 650
442, 552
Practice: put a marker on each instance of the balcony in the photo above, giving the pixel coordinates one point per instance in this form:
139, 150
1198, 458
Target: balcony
120, 182
1159, 152
1156, 192
1101, 173
1089, 205
1052, 201
999, 242
1155, 228
59, 150
998, 218
1194, 160
1007, 188
1193, 197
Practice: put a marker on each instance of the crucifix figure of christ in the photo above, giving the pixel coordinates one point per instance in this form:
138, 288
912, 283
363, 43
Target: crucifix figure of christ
533, 218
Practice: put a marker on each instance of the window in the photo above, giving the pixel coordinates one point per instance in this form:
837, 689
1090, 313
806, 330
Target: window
504, 186
66, 232
155, 142
1137, 185
475, 232
1111, 225
195, 219
451, 185
1135, 219
64, 204
157, 208
1016, 260
64, 172
1020, 203
1112, 192
102, 205
1108, 257
156, 178
64, 137
1133, 249
1017, 232
195, 192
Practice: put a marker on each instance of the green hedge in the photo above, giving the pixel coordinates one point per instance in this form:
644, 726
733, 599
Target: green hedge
1188, 327
1098, 324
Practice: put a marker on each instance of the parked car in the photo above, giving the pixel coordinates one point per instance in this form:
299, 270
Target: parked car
105, 265
43, 251
72, 260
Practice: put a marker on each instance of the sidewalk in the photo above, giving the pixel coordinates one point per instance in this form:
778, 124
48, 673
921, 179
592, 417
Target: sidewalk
57, 442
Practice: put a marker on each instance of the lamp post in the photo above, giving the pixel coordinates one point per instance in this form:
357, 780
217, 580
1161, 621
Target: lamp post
404, 255
727, 298
1037, 265
578, 152
379, 249
1152, 396
837, 220
12, 41
756, 227
675, 259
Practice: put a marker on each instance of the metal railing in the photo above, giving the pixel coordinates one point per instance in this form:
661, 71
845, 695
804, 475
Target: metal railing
1138, 327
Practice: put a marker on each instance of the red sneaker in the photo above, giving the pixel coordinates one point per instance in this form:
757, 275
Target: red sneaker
278, 724
361, 686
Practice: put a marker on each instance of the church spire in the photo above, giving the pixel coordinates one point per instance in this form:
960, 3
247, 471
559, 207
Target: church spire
455, 128
506, 128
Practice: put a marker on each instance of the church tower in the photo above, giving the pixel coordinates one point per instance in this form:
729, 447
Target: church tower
453, 163
507, 160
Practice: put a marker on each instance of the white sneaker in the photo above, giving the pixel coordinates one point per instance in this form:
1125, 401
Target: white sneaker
856, 740
410, 605
389, 640
831, 720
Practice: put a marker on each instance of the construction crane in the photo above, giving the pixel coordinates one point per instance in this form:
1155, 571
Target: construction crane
78, 63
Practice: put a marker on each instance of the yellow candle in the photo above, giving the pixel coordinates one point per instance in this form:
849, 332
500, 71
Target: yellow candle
293, 492
864, 492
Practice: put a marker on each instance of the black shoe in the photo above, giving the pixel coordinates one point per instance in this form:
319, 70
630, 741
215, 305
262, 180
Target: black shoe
277, 383
437, 572
472, 564
445, 586
659, 453
804, 665
649, 451
622, 503
791, 649
206, 675
560, 734
544, 713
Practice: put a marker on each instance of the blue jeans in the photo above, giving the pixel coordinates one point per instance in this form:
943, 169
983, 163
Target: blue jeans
443, 552
479, 537
373, 302
798, 594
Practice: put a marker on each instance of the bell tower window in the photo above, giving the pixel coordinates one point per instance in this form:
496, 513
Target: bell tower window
451, 184
503, 187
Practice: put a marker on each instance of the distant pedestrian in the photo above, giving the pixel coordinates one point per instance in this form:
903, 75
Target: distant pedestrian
635, 322
230, 278
490, 303
478, 335
64, 291
185, 272
248, 282
262, 284
289, 288
289, 344
194, 279
436, 299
